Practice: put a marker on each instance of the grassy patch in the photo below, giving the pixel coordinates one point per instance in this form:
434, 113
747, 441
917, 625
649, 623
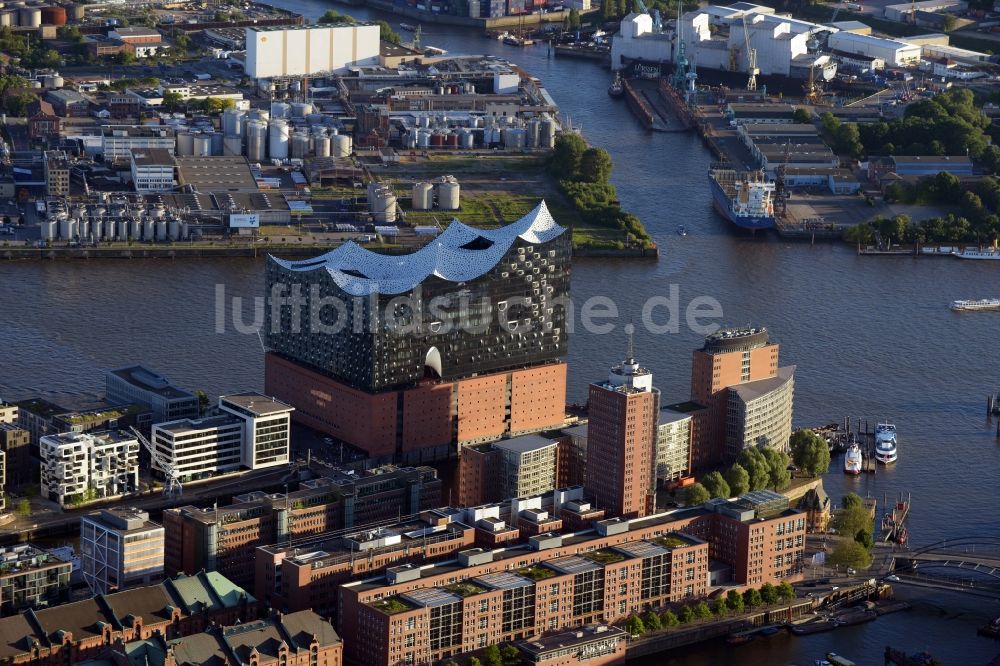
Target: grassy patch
604, 556
465, 588
536, 573
671, 541
391, 605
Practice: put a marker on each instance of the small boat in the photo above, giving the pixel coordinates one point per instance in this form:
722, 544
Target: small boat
408, 27
852, 460
885, 443
617, 87
837, 660
682, 230
770, 630
972, 253
973, 306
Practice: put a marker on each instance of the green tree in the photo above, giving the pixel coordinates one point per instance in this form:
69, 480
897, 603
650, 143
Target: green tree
716, 485
864, 537
785, 591
595, 165
852, 500
473, 661
491, 656
738, 480
669, 619
566, 155
847, 140
573, 20
802, 115
634, 626
23, 508
685, 614
387, 34
451, 662
768, 594
202, 401
859, 234
777, 465
719, 607
850, 553
753, 461
511, 655
702, 611
752, 598
848, 522
333, 16
696, 494
172, 100
810, 452
735, 601
652, 621
948, 22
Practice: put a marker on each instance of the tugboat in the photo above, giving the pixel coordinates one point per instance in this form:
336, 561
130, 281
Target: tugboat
617, 88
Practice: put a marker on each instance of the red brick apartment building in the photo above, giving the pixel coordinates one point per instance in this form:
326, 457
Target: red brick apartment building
421, 615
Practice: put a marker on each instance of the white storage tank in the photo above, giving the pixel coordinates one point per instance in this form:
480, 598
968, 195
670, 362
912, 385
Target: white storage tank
202, 145
185, 144
49, 229
217, 142
341, 145
148, 229
174, 229
258, 114
30, 17
279, 110
301, 109
409, 139
8, 19
83, 228
97, 228
161, 229
466, 139
322, 145
232, 145
423, 196
232, 122
533, 132
300, 145
382, 203
256, 141
423, 138
136, 229
278, 140
67, 228
185, 231
448, 193
547, 133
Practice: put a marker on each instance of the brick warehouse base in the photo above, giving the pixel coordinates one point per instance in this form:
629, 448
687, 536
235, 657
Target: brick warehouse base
427, 422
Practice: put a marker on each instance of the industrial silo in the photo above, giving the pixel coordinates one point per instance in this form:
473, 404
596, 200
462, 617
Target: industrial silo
49, 229
256, 141
67, 228
466, 139
161, 229
76, 12
54, 15
341, 145
423, 138
185, 144
448, 193
382, 203
232, 122
300, 145
423, 196
301, 109
135, 230
202, 145
322, 143
533, 132
258, 114
232, 145
279, 110
278, 140
29, 17
547, 133
174, 229
217, 142
97, 228
8, 19
148, 229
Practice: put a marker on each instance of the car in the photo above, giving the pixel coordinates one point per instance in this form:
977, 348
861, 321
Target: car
792, 468
892, 578
851, 572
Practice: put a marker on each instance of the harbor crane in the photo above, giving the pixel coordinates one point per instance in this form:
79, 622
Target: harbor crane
172, 488
752, 70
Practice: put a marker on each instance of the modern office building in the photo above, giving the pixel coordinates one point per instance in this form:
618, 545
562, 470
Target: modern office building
674, 434
737, 366
290, 51
31, 578
457, 343
224, 538
120, 548
18, 469
621, 440
428, 613
267, 427
516, 467
87, 466
138, 384
118, 141
152, 170
197, 448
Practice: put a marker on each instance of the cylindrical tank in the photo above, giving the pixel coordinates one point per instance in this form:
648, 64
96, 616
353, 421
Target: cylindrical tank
185, 231
76, 12
437, 140
135, 231
341, 145
67, 228
161, 229
547, 134
30, 17
279, 110
159, 211
466, 140
301, 109
232, 145
258, 114
322, 146
448, 194
97, 228
278, 140
217, 142
451, 140
174, 229
202, 145
185, 144
148, 229
314, 118
54, 81
423, 196
232, 122
80, 212
533, 127
300, 145
424, 121
54, 15
409, 139
49, 229
256, 141
423, 138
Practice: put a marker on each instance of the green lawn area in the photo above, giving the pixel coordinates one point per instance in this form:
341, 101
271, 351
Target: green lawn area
465, 588
391, 605
536, 573
604, 556
671, 541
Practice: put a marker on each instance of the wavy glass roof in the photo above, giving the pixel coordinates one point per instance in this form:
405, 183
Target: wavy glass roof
461, 253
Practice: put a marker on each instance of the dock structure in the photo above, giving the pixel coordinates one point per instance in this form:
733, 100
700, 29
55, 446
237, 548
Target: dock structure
894, 521
652, 103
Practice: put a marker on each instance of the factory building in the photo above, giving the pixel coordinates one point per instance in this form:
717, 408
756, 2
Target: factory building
288, 51
895, 53
903, 12
152, 170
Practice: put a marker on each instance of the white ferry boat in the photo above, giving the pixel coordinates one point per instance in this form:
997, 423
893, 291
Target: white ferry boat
852, 460
972, 306
885, 443
973, 253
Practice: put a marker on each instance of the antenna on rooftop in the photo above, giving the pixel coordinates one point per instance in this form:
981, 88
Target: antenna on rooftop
630, 343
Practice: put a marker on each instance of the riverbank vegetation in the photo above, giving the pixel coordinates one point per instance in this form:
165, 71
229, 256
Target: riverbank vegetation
583, 174
854, 522
755, 469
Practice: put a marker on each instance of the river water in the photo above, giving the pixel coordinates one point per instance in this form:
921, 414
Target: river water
871, 338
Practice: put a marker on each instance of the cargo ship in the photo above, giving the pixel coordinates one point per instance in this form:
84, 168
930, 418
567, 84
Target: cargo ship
745, 198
